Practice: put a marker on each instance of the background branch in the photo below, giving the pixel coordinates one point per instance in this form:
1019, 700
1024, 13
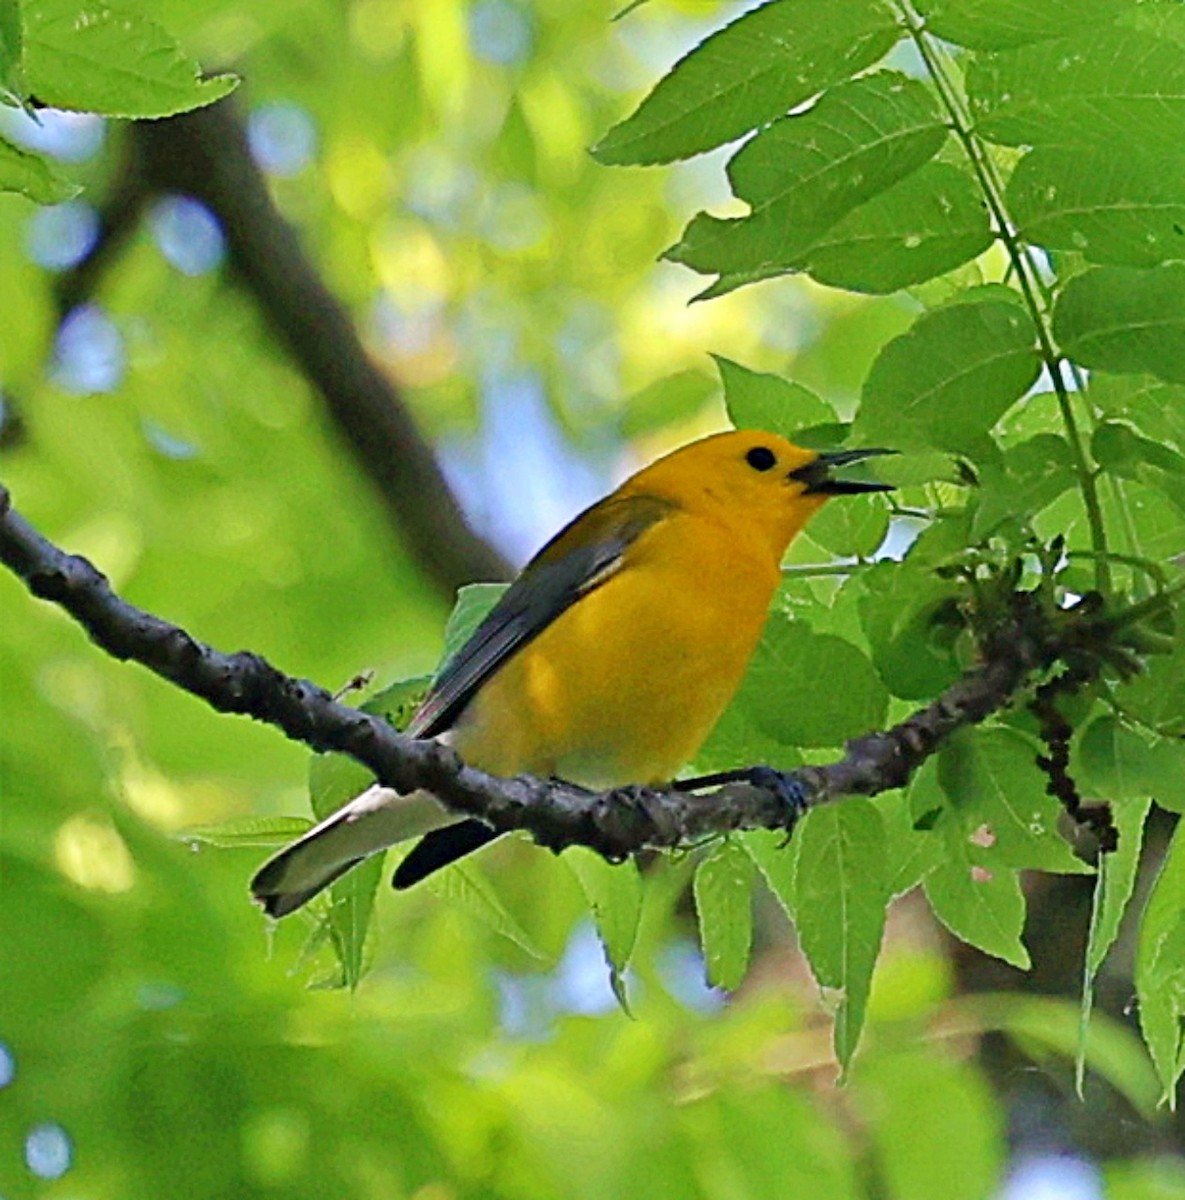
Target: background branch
204, 154
615, 823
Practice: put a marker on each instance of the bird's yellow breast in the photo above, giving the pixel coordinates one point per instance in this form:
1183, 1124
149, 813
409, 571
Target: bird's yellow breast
625, 685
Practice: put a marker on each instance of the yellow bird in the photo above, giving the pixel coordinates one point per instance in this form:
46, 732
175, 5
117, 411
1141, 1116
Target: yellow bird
608, 660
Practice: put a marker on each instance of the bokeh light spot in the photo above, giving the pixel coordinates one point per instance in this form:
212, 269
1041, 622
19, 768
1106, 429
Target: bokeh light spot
49, 1151
500, 32
62, 234
187, 234
282, 138
7, 1066
88, 352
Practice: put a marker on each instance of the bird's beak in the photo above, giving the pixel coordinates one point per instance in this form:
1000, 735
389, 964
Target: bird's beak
816, 475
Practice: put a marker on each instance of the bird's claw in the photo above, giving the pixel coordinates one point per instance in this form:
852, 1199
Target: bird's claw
789, 791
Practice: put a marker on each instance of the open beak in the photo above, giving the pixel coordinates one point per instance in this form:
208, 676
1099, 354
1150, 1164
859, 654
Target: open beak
816, 475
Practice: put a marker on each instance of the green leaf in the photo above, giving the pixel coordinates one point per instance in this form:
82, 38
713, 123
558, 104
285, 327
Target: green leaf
351, 906
1126, 209
1160, 967
964, 1126
397, 703
777, 861
32, 176
855, 527
474, 602
247, 831
768, 61
1125, 319
912, 851
1118, 448
907, 615
463, 886
1113, 890
11, 48
980, 905
803, 174
737, 742
1158, 408
992, 25
1112, 86
1120, 763
931, 222
90, 57
724, 905
614, 895
334, 780
1026, 479
950, 377
1157, 695
841, 895
994, 785
811, 689
756, 400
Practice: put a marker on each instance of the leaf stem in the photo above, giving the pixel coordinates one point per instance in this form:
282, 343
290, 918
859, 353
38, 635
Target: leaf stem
993, 195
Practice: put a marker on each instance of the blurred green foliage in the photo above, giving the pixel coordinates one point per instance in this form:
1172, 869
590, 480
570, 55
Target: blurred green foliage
155, 1037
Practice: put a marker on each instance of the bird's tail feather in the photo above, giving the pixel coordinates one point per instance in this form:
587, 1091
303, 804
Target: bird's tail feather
439, 848
371, 822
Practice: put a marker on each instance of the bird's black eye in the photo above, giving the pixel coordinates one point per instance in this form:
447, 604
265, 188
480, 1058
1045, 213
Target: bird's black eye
761, 458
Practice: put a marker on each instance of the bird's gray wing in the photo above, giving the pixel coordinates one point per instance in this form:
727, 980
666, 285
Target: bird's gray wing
583, 555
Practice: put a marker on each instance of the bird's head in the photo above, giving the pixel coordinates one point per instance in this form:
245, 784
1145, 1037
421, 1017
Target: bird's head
758, 479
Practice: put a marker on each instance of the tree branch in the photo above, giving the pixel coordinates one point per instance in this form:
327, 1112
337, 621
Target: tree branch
615, 823
204, 154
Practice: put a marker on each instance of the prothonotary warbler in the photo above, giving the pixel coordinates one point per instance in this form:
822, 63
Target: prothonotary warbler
611, 656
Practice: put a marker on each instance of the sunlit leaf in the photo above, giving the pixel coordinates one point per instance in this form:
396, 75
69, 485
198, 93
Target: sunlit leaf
32, 176
1113, 890
947, 380
766, 62
1027, 478
980, 904
788, 693
907, 614
993, 783
758, 400
11, 39
1125, 319
724, 905
464, 886
1120, 763
931, 222
855, 528
776, 857
614, 894
92, 57
1109, 86
840, 912
993, 25
911, 850
474, 601
1121, 209
804, 173
248, 831
1160, 966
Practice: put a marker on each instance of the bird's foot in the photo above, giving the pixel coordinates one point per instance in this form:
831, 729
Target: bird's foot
784, 785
